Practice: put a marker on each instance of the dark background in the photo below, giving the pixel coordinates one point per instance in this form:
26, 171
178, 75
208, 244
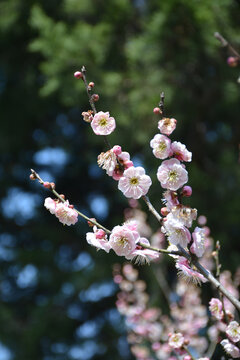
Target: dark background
57, 295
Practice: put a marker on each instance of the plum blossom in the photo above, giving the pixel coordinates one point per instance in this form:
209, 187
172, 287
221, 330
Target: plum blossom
134, 183
98, 238
187, 272
142, 255
215, 306
123, 239
176, 340
176, 232
184, 214
50, 205
233, 331
167, 125
108, 161
161, 146
180, 152
172, 174
170, 199
102, 123
66, 214
198, 245
230, 349
124, 163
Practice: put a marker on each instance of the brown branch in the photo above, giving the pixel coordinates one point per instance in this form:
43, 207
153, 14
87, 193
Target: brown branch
225, 43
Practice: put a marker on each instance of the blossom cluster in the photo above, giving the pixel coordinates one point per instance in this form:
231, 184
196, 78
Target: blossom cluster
149, 328
62, 210
124, 240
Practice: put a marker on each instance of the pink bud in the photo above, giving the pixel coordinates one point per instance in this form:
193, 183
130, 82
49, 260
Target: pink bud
128, 164
32, 177
187, 191
232, 61
117, 149
187, 357
164, 211
78, 74
100, 234
90, 223
157, 110
91, 84
62, 196
95, 97
71, 206
47, 184
53, 185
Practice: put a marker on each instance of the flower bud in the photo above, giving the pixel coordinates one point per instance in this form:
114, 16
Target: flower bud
90, 223
71, 206
100, 234
78, 75
87, 115
91, 84
187, 191
164, 211
32, 177
157, 110
53, 185
232, 61
62, 196
95, 97
47, 185
117, 149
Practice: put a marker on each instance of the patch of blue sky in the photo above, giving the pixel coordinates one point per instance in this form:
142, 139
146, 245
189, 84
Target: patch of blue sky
98, 291
49, 156
5, 353
27, 277
99, 206
82, 261
20, 205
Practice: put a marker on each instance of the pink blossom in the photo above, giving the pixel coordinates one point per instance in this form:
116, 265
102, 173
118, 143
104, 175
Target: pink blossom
187, 272
167, 126
172, 174
98, 238
230, 348
142, 255
50, 205
176, 340
108, 161
233, 331
123, 240
134, 183
103, 124
124, 161
161, 146
170, 199
180, 151
184, 214
176, 232
215, 306
65, 214
198, 245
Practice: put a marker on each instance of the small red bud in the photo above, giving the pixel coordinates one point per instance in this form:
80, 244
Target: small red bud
78, 75
32, 177
164, 211
90, 223
62, 196
71, 206
47, 185
214, 253
186, 341
187, 191
53, 185
91, 84
157, 110
95, 97
232, 61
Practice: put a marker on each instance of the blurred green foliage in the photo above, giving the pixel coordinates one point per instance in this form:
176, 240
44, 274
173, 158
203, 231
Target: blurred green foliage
132, 50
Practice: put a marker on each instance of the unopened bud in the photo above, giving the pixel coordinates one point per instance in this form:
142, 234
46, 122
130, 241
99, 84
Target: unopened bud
91, 84
214, 254
117, 150
53, 185
157, 110
187, 191
232, 61
164, 211
87, 115
100, 234
47, 185
71, 206
62, 196
78, 74
32, 177
90, 223
186, 341
95, 97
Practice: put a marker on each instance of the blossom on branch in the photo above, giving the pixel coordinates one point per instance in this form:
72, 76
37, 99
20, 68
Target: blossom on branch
186, 271
103, 124
180, 152
167, 125
233, 331
172, 174
161, 146
176, 340
134, 183
230, 349
215, 306
123, 239
176, 232
98, 238
62, 210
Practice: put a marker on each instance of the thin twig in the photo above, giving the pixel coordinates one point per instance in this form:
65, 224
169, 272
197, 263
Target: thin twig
151, 208
225, 43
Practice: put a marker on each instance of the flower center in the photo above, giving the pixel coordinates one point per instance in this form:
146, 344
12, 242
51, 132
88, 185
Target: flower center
172, 176
162, 146
123, 242
102, 122
134, 181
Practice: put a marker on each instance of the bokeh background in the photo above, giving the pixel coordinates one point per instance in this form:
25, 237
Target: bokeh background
57, 294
